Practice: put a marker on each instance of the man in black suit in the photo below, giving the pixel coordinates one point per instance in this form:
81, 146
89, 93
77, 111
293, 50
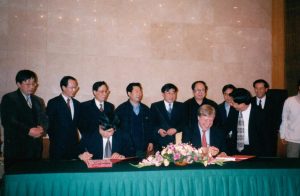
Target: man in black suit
167, 117
24, 120
192, 105
98, 126
270, 112
63, 113
247, 137
224, 109
203, 133
134, 119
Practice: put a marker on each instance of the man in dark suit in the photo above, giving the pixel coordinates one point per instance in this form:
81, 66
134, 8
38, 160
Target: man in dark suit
134, 119
98, 126
203, 133
247, 137
270, 112
167, 117
63, 113
192, 105
24, 120
225, 108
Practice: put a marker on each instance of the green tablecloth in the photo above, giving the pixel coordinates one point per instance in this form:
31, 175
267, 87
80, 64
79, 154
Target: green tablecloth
252, 177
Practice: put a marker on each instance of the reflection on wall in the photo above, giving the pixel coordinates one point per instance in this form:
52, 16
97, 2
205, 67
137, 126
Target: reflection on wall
121, 41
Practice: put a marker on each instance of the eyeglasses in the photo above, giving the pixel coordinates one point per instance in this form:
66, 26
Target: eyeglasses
34, 84
199, 91
73, 87
103, 91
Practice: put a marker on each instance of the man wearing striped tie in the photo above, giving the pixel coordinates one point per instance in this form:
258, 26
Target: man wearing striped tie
63, 113
247, 137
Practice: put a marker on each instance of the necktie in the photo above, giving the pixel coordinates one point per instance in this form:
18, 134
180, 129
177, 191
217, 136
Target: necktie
260, 105
68, 103
107, 153
101, 107
28, 100
240, 133
203, 139
170, 110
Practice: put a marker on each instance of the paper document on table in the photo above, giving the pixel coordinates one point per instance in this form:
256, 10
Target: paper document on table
99, 163
234, 158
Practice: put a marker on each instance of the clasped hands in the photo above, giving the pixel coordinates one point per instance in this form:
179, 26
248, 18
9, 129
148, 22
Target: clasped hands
170, 132
36, 132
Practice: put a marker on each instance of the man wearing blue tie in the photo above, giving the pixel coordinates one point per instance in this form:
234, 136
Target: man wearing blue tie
167, 117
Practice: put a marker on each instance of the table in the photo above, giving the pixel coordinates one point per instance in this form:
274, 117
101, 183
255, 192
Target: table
269, 176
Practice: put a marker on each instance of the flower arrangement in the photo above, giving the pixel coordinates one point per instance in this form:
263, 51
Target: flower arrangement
182, 154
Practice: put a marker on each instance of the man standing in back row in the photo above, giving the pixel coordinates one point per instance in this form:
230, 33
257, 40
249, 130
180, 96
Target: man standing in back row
63, 113
192, 105
134, 119
24, 120
167, 117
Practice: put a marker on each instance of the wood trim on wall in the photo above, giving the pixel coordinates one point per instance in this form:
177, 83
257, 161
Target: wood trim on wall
278, 55
278, 44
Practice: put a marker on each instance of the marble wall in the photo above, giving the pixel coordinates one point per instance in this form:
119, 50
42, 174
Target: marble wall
120, 41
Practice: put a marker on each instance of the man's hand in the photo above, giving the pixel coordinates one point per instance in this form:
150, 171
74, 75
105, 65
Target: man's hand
283, 141
117, 156
106, 133
85, 156
150, 147
171, 131
36, 132
162, 133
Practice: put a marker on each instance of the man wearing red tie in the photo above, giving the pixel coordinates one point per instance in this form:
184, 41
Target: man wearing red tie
203, 133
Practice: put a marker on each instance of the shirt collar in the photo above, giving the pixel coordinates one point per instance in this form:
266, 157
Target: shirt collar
98, 103
167, 104
65, 97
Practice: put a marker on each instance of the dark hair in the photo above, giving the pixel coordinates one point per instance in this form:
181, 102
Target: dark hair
168, 87
298, 83
24, 75
241, 95
130, 86
199, 81
96, 85
64, 81
228, 86
266, 84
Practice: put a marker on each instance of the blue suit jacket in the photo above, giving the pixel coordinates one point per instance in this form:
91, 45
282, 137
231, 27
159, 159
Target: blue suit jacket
91, 139
124, 113
63, 133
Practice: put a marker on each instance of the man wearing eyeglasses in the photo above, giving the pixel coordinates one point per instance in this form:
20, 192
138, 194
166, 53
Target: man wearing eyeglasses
63, 113
24, 120
193, 104
98, 126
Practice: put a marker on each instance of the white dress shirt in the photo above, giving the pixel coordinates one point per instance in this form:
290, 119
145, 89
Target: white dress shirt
207, 135
104, 141
246, 117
